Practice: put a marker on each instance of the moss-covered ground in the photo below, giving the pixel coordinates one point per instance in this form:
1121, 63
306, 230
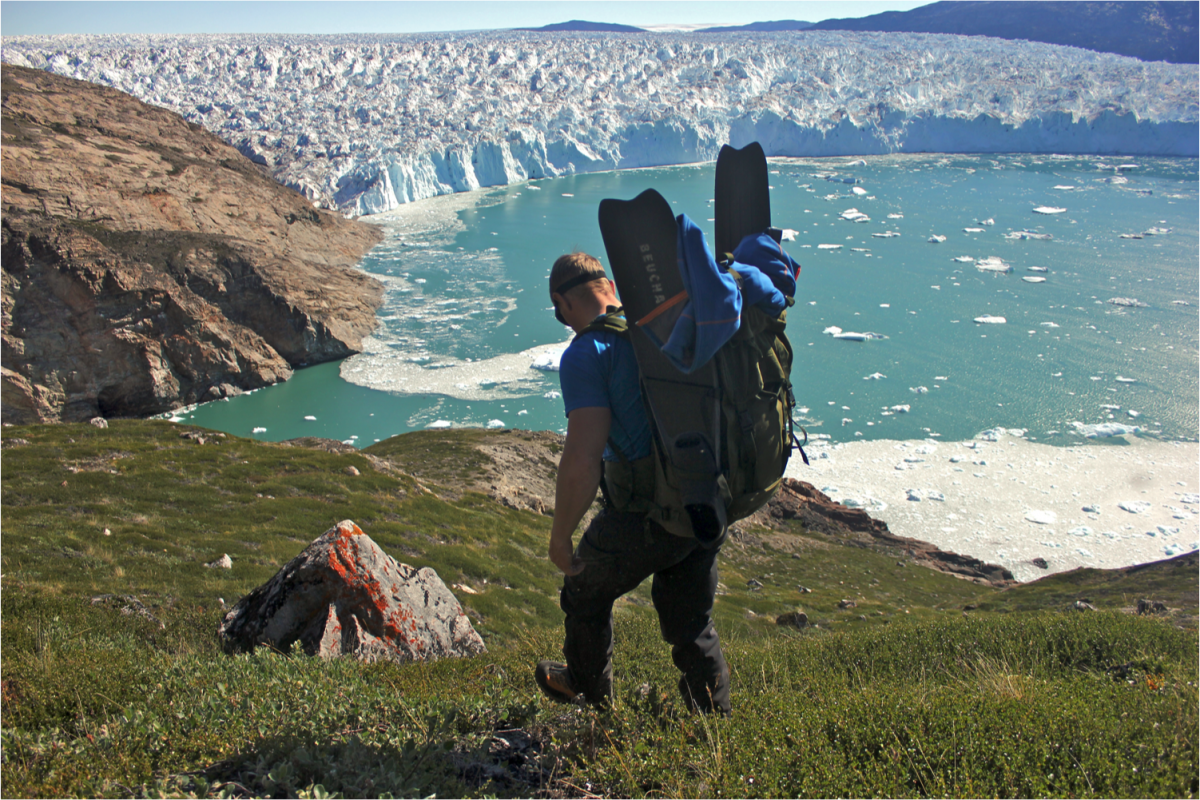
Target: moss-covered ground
902, 695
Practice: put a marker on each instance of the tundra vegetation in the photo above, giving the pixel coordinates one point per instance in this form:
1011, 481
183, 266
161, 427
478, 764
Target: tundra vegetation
114, 683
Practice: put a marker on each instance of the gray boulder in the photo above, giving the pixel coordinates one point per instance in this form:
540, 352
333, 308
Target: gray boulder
343, 595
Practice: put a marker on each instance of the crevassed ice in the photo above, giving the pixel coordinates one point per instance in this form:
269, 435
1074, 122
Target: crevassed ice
431, 114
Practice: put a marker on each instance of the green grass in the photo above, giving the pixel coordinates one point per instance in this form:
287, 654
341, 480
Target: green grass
903, 695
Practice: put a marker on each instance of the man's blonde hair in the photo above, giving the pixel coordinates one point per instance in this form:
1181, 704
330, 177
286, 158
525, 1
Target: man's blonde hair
577, 268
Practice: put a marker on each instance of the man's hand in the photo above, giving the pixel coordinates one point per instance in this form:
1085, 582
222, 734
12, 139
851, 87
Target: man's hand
563, 556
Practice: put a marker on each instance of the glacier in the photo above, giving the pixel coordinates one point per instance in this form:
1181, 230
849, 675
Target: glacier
365, 123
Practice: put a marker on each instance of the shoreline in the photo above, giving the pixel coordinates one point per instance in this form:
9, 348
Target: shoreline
1010, 501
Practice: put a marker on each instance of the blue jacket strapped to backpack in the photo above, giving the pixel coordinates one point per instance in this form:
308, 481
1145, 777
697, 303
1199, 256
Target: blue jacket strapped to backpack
712, 314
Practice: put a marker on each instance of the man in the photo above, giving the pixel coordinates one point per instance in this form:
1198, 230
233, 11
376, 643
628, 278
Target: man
620, 548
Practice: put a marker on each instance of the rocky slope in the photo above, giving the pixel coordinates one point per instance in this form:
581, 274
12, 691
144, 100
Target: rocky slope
517, 469
1151, 31
148, 265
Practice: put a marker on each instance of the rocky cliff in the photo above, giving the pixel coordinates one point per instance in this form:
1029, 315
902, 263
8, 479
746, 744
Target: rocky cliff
148, 265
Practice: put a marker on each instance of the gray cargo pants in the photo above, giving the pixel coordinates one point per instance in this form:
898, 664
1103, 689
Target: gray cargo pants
620, 551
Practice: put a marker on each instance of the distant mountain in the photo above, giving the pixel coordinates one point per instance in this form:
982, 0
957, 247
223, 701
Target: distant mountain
584, 25
777, 25
1151, 31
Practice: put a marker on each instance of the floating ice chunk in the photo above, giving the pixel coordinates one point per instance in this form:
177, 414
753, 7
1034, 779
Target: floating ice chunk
1191, 498
1104, 430
310, 418
1116, 180
1084, 553
552, 395
1133, 414
938, 496
420, 280
904, 409
522, 412
260, 430
964, 259
913, 494
1049, 324
874, 376
1134, 506
1032, 279
1131, 236
867, 502
845, 421
1036, 269
1166, 530
989, 319
494, 424
886, 235
853, 215
788, 235
1028, 235
859, 190
1064, 188
829, 247
1041, 517
832, 330
895, 216
1091, 509
1157, 231
974, 230
936, 239
918, 389
1126, 380
439, 425
851, 336
988, 221
1127, 302
548, 362
993, 264
1048, 210
1082, 530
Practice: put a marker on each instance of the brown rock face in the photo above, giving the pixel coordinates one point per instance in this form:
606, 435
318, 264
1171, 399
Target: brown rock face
148, 265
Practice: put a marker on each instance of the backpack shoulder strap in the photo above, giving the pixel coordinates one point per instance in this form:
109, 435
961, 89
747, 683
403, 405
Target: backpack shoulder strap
612, 322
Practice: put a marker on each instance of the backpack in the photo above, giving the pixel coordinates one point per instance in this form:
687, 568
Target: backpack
756, 400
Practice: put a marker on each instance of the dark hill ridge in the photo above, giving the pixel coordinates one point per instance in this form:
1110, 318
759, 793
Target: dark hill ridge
1151, 31
585, 26
148, 265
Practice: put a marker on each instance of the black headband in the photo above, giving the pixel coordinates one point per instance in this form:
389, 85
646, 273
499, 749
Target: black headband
578, 280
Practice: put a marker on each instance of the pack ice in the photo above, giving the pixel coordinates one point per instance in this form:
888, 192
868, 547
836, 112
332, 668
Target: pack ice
365, 122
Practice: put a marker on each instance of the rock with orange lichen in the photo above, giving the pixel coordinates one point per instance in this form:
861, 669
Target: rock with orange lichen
343, 595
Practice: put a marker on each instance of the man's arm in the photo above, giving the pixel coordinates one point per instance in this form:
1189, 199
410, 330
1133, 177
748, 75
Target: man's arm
579, 472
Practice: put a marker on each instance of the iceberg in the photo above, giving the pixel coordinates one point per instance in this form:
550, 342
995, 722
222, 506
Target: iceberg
1032, 279
993, 264
1104, 430
1048, 210
366, 122
989, 319
936, 239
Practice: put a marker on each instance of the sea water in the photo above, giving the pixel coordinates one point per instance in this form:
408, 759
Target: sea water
467, 335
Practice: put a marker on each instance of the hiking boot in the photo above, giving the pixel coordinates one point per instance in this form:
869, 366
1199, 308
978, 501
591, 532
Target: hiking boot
555, 682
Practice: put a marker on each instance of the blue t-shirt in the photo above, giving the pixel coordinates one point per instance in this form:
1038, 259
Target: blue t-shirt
600, 370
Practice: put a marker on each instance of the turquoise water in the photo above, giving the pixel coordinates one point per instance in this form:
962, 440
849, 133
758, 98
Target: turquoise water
466, 305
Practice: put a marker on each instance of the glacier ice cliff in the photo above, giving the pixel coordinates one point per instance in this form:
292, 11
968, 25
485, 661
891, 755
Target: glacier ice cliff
364, 123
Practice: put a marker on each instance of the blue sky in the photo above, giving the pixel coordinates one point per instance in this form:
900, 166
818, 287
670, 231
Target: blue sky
23, 17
